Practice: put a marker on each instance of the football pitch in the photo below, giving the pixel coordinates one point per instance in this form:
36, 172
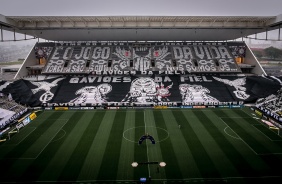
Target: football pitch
99, 146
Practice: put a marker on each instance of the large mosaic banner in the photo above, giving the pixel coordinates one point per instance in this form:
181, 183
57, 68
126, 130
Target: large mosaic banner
128, 90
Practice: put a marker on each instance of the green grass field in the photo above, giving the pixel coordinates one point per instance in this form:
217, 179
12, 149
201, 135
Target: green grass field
98, 146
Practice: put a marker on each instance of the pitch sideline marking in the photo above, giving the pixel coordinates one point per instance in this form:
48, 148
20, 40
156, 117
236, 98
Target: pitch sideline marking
174, 180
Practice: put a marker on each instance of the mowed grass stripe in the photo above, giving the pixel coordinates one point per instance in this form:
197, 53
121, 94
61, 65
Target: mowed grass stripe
108, 169
235, 159
203, 160
207, 137
172, 170
63, 154
185, 158
154, 150
125, 171
73, 166
38, 165
44, 139
140, 151
93, 160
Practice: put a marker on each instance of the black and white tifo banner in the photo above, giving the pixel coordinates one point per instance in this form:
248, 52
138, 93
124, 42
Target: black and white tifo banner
155, 90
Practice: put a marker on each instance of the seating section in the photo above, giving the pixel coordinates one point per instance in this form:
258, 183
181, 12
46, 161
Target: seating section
43, 52
78, 59
121, 57
193, 58
185, 59
99, 59
142, 58
162, 58
271, 103
9, 110
57, 60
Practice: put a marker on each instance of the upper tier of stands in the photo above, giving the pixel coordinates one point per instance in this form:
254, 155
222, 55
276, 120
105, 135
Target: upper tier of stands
85, 59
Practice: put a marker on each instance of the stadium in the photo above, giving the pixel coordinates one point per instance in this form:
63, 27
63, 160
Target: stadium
140, 99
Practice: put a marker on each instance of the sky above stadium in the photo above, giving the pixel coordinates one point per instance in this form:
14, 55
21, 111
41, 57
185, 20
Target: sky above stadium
140, 7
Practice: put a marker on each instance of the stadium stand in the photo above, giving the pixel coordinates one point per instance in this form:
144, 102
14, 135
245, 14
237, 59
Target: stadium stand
141, 73
83, 59
273, 102
9, 111
114, 74
121, 57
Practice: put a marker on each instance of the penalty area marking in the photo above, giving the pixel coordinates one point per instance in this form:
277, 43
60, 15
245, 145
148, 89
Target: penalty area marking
61, 136
229, 134
32, 158
239, 138
145, 127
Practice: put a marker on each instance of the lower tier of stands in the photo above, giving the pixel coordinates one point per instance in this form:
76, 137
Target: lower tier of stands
140, 90
9, 111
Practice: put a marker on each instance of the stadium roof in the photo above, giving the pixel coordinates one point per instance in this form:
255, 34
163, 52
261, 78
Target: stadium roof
112, 20
139, 28
158, 20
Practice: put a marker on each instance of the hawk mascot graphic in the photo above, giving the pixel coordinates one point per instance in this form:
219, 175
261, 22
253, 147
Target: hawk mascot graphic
240, 91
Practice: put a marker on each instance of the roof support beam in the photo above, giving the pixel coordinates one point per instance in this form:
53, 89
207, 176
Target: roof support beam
162, 22
225, 22
59, 22
200, 23
1, 34
187, 22
111, 22
72, 22
123, 23
45, 21
84, 21
14, 35
211, 24
279, 30
97, 22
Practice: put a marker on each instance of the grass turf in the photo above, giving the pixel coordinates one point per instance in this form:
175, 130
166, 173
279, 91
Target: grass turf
211, 146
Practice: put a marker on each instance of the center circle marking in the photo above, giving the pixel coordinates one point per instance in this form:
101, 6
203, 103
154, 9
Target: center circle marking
133, 129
